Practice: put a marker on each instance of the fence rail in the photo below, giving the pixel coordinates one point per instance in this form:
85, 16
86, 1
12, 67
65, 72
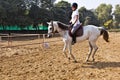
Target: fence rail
13, 35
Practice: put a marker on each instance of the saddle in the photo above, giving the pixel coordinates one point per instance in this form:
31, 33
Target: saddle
78, 33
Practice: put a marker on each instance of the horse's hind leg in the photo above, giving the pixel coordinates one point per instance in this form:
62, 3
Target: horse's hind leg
93, 43
90, 51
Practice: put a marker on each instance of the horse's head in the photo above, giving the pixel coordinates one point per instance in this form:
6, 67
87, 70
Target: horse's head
51, 28
56, 26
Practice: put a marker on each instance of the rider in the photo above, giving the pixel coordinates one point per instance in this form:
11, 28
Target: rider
75, 23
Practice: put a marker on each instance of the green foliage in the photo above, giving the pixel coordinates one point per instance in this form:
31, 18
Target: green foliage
117, 13
108, 24
11, 10
24, 12
87, 20
117, 16
88, 16
104, 13
47, 4
61, 12
33, 12
63, 4
115, 24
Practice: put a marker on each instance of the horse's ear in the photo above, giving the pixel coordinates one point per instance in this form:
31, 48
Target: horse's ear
48, 23
51, 22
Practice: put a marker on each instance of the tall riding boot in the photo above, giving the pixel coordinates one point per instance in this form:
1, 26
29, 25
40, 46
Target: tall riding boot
73, 39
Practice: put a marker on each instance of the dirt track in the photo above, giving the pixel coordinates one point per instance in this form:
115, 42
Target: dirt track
34, 63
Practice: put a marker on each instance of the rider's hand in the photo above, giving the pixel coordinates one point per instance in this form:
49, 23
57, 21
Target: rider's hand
71, 25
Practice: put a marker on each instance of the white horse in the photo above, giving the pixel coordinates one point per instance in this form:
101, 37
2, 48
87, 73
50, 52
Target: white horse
90, 33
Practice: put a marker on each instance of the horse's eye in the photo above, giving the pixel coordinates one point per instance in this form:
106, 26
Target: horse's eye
50, 28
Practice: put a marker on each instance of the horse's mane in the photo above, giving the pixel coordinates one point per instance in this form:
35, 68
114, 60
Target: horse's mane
62, 25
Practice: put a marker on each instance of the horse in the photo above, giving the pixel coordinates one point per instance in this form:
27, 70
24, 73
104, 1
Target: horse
90, 33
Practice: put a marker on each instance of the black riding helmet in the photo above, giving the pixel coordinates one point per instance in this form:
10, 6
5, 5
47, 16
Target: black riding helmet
75, 5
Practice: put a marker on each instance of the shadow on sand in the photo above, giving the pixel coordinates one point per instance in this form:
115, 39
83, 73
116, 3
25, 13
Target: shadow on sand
102, 65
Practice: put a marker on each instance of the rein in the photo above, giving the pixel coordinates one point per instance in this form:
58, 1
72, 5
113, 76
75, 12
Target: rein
58, 26
52, 26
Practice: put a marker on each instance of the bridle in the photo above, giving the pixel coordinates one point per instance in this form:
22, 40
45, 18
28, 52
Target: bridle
52, 26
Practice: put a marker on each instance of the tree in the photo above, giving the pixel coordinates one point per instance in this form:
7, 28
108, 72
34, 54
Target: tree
87, 20
104, 13
46, 4
2, 14
61, 11
88, 16
117, 15
39, 15
25, 12
11, 9
63, 4
108, 24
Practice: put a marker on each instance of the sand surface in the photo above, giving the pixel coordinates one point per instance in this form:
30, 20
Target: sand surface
32, 62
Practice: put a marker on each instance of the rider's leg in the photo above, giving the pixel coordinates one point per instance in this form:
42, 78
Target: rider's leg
75, 27
73, 34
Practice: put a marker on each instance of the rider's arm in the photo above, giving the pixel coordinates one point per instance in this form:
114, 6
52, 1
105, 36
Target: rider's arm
70, 21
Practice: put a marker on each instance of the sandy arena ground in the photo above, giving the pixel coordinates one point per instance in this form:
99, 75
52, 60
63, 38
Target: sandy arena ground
32, 62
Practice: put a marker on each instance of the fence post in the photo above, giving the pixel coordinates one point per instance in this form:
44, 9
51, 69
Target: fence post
38, 36
43, 38
9, 41
39, 39
0, 38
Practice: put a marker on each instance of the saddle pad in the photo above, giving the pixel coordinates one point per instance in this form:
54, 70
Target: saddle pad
78, 33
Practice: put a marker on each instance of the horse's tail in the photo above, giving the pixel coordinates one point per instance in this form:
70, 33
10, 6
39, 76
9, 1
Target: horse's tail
105, 34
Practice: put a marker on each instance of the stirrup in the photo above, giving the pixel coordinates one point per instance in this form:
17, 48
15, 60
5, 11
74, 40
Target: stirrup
73, 42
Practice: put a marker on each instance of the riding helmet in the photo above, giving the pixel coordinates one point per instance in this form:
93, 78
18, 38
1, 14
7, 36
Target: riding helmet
75, 5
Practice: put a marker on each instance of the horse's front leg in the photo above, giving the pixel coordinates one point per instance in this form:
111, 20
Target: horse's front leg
64, 49
70, 52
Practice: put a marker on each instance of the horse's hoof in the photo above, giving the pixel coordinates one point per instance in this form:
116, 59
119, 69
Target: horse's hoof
68, 58
75, 61
87, 60
93, 60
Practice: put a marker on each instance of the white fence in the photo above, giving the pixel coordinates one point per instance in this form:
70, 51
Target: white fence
9, 39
